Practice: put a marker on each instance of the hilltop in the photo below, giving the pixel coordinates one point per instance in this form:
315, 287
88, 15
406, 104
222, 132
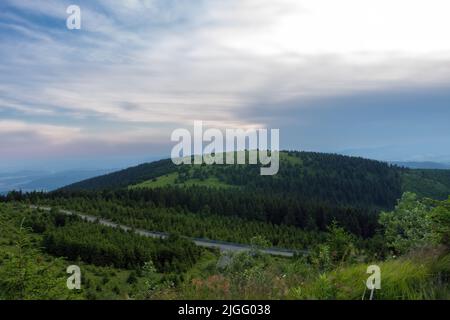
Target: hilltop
331, 177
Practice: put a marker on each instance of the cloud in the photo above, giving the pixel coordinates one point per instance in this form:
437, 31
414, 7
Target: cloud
21, 139
55, 134
141, 68
36, 141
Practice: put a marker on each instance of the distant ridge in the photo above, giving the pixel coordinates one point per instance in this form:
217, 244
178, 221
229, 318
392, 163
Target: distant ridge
422, 165
28, 181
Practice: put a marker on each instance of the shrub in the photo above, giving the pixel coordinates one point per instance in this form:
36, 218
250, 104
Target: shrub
409, 226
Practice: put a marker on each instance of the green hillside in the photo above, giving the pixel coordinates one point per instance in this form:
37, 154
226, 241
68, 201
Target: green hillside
325, 177
124, 178
314, 176
432, 183
174, 179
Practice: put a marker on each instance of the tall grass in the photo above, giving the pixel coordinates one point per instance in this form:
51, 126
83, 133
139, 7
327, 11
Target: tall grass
424, 274
415, 277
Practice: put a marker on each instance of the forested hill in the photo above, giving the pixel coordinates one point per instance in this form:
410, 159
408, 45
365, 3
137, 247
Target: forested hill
327, 177
310, 191
126, 177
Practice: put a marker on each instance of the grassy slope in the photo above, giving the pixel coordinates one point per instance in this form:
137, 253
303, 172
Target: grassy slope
166, 173
170, 180
416, 277
212, 180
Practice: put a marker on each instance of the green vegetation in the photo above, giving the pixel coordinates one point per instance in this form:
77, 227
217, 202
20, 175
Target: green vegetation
409, 225
427, 183
326, 177
334, 179
33, 268
71, 237
348, 213
415, 277
211, 213
127, 177
175, 179
24, 272
334, 269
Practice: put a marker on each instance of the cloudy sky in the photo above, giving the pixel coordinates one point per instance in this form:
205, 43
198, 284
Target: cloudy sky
362, 77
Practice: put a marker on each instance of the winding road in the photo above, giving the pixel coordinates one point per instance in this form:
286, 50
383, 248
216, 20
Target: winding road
214, 244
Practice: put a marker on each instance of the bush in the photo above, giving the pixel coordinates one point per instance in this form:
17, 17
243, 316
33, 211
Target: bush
440, 217
409, 226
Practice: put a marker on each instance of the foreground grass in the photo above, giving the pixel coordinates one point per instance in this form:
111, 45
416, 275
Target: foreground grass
422, 275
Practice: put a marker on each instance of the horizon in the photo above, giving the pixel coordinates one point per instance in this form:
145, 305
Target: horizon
125, 163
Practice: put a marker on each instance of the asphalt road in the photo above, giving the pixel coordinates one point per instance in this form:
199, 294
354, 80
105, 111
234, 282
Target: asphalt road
221, 245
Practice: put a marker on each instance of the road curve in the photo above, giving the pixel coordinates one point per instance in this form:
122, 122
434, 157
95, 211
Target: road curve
214, 244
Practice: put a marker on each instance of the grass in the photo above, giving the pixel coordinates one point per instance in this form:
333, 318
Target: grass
420, 276
210, 172
170, 180
285, 157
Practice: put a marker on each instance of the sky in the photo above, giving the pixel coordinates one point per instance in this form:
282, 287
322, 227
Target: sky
359, 77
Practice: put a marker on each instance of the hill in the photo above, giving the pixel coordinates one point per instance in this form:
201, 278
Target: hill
310, 191
422, 165
327, 177
123, 178
431, 183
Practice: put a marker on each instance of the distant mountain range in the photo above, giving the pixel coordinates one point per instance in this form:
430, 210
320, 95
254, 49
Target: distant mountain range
45, 180
422, 165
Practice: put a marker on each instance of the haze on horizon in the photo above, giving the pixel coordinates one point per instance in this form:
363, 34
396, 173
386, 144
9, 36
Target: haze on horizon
360, 77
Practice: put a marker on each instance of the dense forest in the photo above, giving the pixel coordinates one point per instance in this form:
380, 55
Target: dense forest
192, 206
314, 176
330, 178
70, 237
